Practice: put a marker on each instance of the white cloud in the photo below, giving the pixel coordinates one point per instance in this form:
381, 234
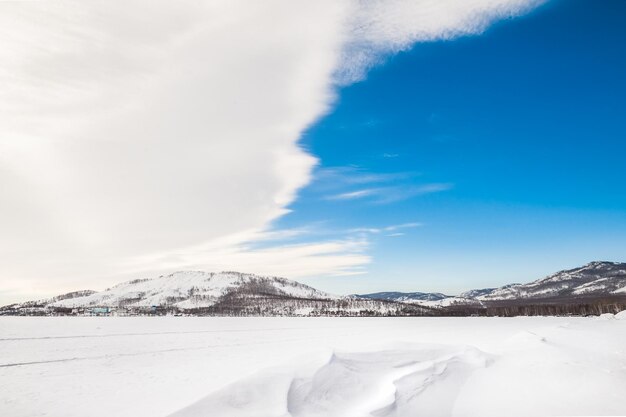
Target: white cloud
378, 28
338, 256
402, 226
353, 195
392, 228
391, 194
129, 129
339, 176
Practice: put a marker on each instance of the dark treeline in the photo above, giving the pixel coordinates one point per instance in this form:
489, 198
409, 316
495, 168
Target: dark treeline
583, 306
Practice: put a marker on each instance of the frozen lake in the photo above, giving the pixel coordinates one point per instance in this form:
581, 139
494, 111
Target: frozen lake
279, 367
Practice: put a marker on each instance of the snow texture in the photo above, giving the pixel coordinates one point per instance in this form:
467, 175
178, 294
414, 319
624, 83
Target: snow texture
312, 367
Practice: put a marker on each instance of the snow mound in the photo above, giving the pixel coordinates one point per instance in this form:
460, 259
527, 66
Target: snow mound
606, 316
621, 315
422, 381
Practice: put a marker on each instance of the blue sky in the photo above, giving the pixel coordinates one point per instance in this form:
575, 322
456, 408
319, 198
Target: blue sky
508, 148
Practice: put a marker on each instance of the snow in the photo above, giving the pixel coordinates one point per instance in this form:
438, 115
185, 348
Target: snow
598, 277
311, 367
446, 302
185, 290
156, 291
592, 286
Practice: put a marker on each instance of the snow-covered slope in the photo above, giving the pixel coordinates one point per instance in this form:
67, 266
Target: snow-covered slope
450, 302
405, 296
478, 292
190, 289
37, 305
202, 293
594, 279
427, 299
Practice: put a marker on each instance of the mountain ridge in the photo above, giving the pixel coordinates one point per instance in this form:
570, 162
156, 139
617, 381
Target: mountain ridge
208, 293
235, 293
593, 278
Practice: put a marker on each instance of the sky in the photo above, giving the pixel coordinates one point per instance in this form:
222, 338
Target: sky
356, 146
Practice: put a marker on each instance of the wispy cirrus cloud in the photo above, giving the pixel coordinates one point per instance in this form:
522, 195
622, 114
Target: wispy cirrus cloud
331, 256
391, 194
335, 177
391, 228
354, 195
356, 183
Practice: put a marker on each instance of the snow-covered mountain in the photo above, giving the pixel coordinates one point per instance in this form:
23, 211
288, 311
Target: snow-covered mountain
478, 293
36, 307
405, 296
593, 288
224, 293
426, 299
190, 289
598, 278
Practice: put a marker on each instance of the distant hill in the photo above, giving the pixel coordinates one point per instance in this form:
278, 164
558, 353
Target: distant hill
202, 293
426, 299
598, 278
405, 296
595, 288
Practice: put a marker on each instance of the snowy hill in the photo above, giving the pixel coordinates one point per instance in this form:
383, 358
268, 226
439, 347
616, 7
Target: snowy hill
427, 299
202, 293
598, 278
477, 293
592, 289
405, 296
190, 289
585, 285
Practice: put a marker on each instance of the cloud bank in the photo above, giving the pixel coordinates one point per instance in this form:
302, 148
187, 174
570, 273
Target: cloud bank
129, 130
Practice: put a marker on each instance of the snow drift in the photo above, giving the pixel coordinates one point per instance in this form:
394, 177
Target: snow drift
312, 367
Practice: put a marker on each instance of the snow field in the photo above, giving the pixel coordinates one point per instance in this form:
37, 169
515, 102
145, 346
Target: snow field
312, 367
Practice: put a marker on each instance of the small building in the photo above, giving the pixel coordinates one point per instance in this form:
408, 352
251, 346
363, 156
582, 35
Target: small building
99, 311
